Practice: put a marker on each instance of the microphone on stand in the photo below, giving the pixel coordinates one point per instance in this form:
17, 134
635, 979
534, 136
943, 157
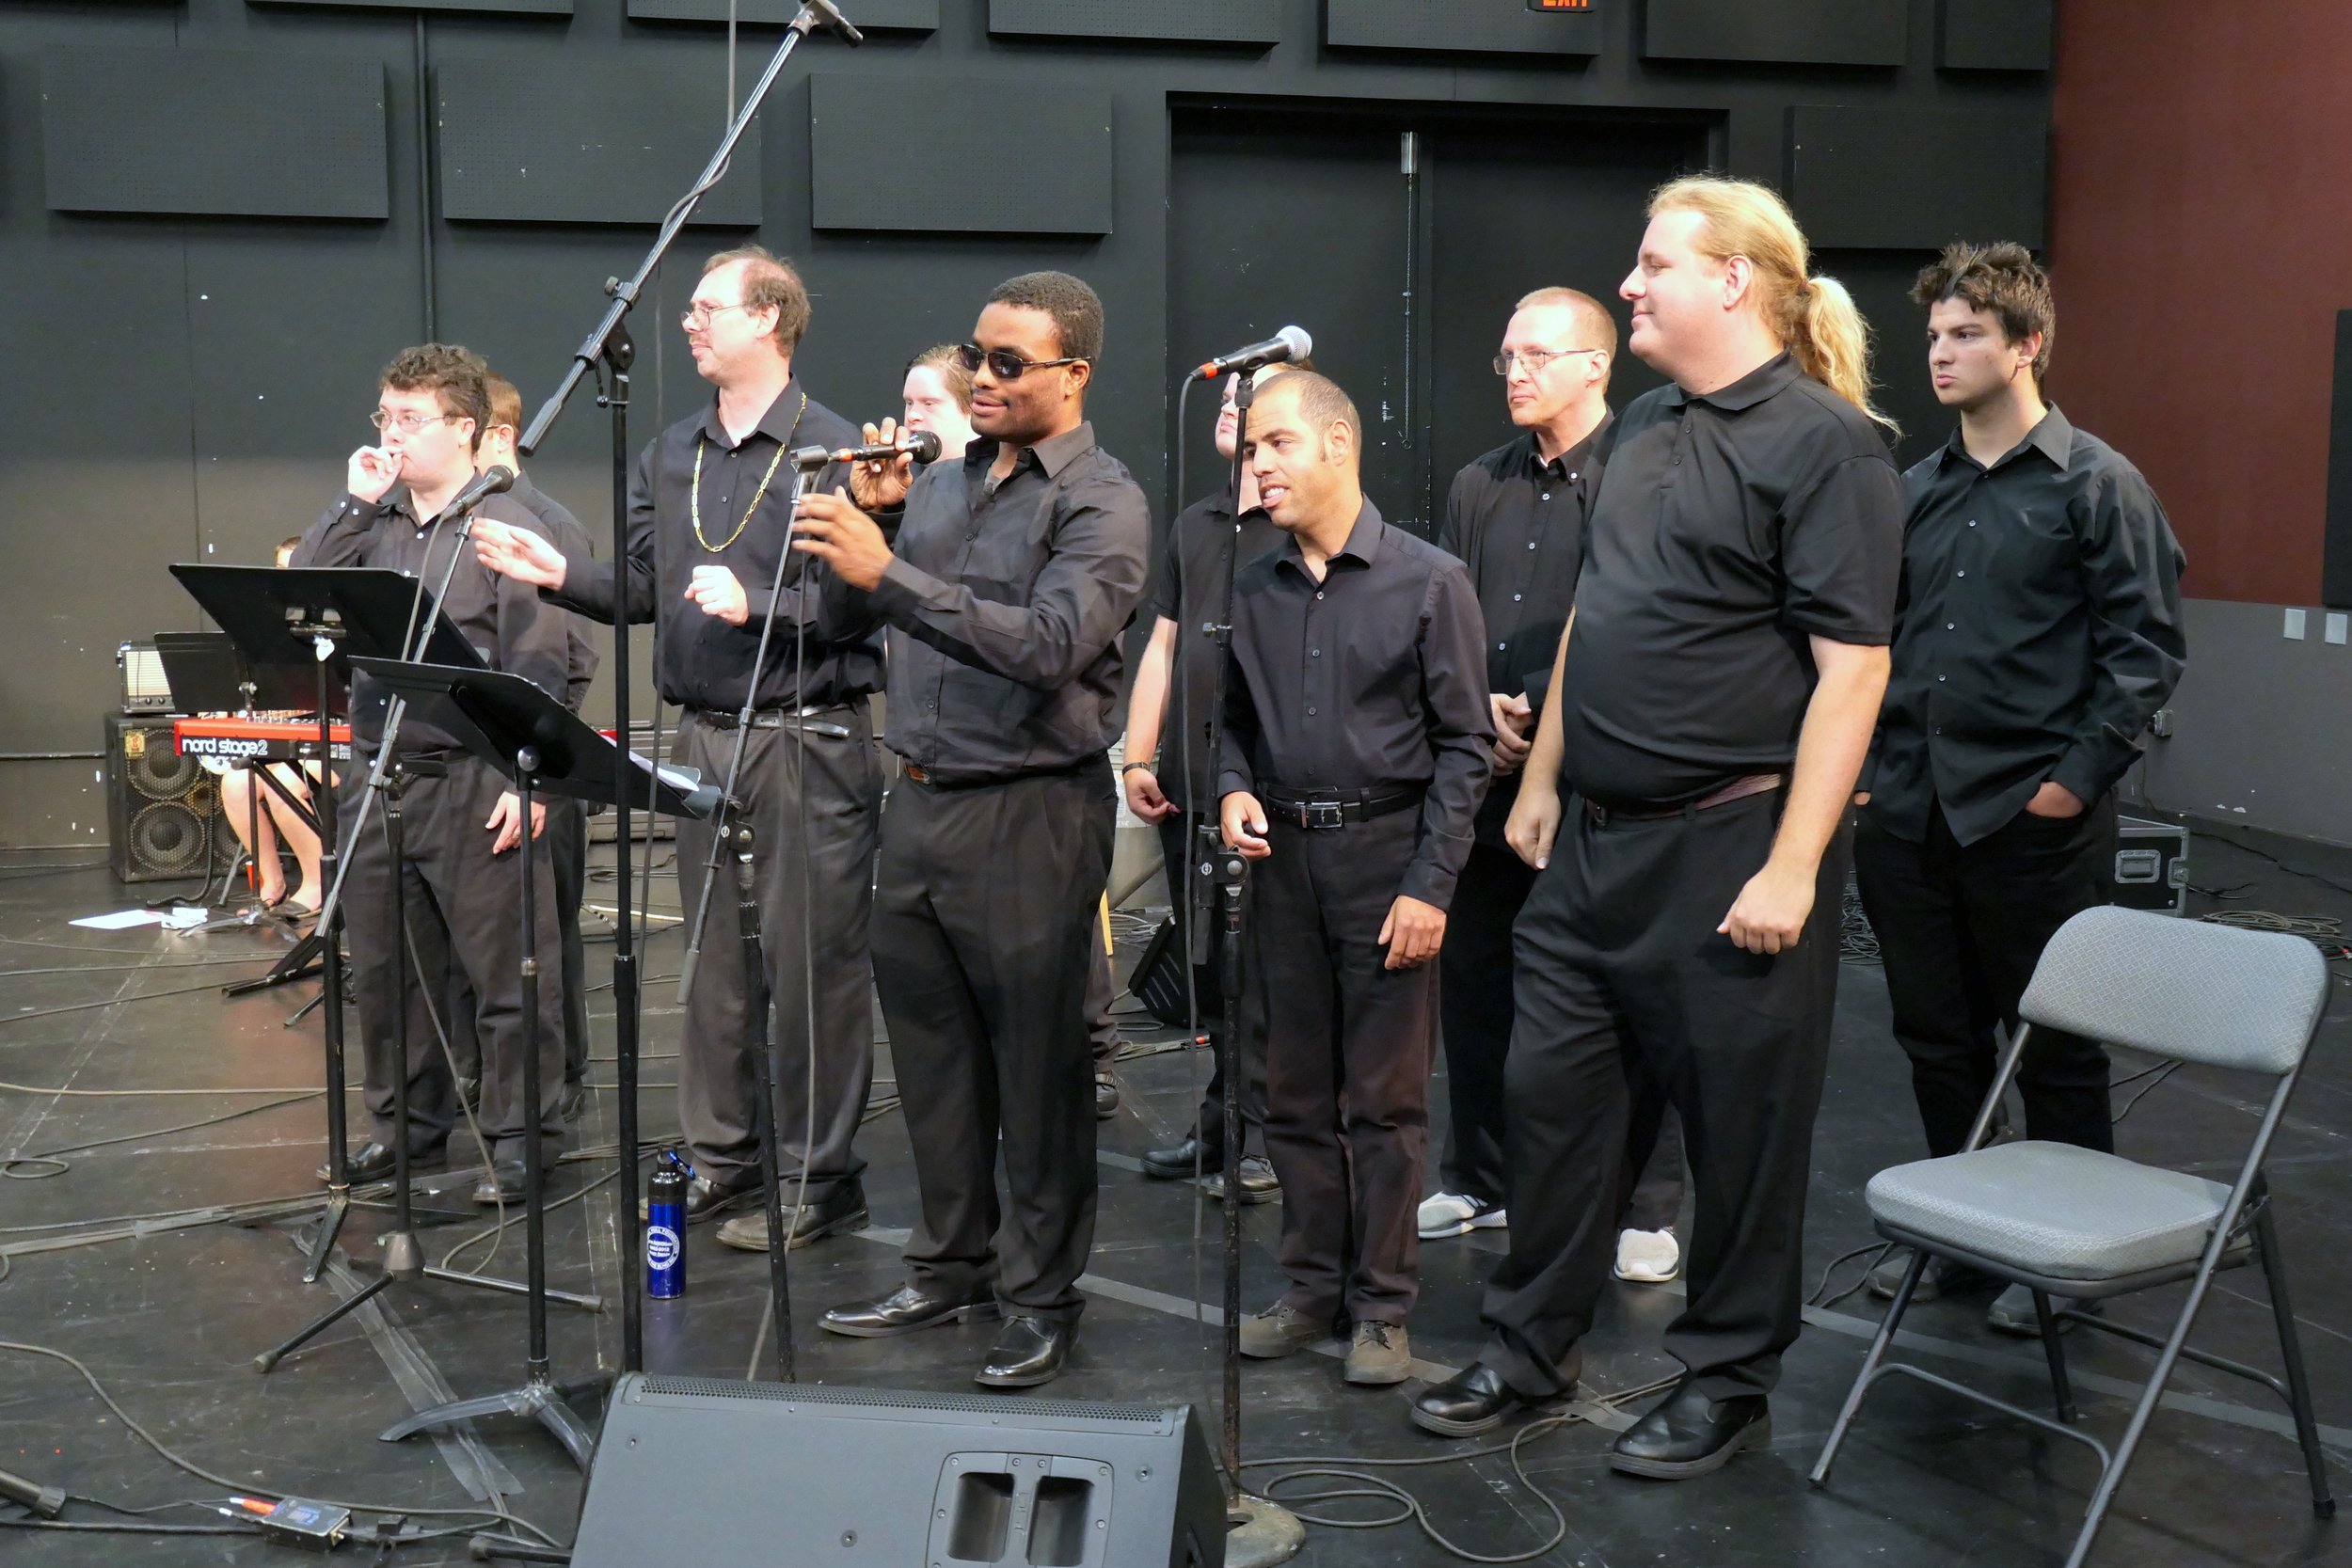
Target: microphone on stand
494, 480
921, 445
828, 16
1289, 344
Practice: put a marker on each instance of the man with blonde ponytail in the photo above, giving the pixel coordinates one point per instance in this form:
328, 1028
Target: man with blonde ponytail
1711, 703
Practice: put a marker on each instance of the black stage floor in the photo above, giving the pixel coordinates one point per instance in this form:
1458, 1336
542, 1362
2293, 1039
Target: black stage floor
169, 1320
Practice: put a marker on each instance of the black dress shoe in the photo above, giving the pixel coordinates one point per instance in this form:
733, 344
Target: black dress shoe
903, 1311
1028, 1351
1178, 1163
1106, 1094
503, 1183
1473, 1401
707, 1199
373, 1161
1689, 1434
842, 1208
1258, 1183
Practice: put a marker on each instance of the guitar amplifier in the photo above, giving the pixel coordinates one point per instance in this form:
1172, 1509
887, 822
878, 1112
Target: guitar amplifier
163, 810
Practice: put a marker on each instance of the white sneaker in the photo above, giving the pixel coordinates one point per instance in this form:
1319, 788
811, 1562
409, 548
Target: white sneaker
1451, 1214
1648, 1257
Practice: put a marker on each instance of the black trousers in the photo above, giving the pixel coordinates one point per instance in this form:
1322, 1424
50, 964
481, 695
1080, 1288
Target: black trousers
1351, 1044
1959, 930
1179, 838
463, 907
984, 907
1476, 1009
828, 908
1621, 973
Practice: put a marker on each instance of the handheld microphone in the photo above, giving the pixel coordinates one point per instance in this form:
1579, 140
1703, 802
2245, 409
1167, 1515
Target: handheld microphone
921, 445
828, 16
1289, 344
496, 480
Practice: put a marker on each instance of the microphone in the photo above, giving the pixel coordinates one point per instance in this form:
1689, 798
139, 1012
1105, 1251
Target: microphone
1290, 343
828, 16
921, 445
497, 481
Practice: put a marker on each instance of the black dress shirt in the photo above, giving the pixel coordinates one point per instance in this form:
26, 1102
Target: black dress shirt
2039, 628
1191, 567
503, 619
1369, 678
1004, 603
564, 530
1518, 523
1730, 529
700, 661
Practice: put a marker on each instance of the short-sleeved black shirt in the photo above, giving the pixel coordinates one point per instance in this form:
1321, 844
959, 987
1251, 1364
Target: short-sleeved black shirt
1730, 529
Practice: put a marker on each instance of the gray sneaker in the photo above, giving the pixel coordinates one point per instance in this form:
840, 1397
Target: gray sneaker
1941, 1277
1382, 1354
1279, 1330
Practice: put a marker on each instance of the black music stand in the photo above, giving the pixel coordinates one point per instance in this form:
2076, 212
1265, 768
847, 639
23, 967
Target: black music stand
545, 749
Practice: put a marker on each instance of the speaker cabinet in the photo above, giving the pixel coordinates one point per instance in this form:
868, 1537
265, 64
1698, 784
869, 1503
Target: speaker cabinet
694, 1470
163, 810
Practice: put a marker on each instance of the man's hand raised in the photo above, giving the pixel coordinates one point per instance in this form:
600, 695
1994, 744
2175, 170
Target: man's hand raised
519, 553
883, 482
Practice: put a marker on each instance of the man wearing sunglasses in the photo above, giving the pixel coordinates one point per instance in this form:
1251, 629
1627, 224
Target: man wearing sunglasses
709, 525
1016, 570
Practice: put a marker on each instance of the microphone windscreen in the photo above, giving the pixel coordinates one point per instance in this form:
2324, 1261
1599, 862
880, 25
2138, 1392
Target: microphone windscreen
924, 445
1301, 345
500, 480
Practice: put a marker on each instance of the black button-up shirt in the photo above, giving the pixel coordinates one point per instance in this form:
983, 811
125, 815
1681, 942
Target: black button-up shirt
1187, 587
503, 619
1730, 528
700, 661
1369, 678
564, 530
2038, 630
1518, 522
1005, 603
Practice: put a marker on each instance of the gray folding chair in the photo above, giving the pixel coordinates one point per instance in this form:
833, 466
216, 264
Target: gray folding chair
2071, 1221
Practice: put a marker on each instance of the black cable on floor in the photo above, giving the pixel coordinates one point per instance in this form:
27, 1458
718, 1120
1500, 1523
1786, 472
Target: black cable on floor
8, 1166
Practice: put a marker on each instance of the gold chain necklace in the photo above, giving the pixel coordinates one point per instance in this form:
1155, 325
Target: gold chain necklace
695, 495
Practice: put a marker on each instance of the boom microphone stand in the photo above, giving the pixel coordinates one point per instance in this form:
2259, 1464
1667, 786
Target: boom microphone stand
608, 352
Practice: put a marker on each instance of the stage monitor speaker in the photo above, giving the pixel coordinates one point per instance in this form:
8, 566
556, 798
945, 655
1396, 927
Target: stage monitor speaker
163, 810
697, 1470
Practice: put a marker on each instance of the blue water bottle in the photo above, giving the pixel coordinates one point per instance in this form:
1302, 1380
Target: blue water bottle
665, 1227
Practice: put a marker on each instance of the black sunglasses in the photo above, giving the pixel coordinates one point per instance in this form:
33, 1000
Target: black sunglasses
1004, 364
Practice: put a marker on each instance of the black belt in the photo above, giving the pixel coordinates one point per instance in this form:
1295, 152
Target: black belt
1738, 790
780, 718
1336, 807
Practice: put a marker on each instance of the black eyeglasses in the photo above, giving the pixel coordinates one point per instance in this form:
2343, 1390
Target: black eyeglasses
1004, 364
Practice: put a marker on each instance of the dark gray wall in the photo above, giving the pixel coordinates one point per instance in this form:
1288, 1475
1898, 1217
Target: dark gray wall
186, 374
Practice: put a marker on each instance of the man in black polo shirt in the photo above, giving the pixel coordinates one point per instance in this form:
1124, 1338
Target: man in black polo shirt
1166, 783
1713, 698
2040, 628
1358, 741
1016, 570
709, 526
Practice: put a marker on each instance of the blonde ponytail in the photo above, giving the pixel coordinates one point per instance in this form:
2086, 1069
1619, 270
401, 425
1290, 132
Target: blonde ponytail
1814, 317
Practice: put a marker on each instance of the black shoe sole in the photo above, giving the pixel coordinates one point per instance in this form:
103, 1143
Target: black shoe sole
1180, 1173
856, 1220
1447, 1426
439, 1160
977, 1311
987, 1379
1755, 1434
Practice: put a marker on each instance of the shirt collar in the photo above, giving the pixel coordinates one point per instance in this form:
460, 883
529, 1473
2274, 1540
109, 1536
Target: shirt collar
779, 422
1574, 460
1362, 547
1053, 454
2053, 436
1746, 392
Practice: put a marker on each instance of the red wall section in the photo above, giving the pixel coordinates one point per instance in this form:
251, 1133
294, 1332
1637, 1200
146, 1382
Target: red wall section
2202, 245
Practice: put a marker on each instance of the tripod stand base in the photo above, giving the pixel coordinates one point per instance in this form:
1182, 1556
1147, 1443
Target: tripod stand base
323, 1235
1261, 1532
537, 1399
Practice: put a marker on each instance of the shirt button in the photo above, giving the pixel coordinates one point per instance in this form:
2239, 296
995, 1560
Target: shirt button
1545, 496
1939, 680
1499, 646
1972, 522
1951, 625
1311, 713
1515, 599
1959, 574
1531, 544
1319, 592
1575, 476
1314, 652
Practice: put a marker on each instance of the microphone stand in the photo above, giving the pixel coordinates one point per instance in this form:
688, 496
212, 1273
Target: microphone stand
608, 351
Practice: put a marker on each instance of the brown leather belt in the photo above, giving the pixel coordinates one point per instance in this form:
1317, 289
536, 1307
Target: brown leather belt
1738, 790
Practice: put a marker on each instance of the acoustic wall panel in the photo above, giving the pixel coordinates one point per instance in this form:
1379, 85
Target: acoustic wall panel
1910, 179
1792, 32
232, 133
1177, 20
503, 7
2335, 571
588, 144
908, 16
876, 158
1474, 26
1994, 35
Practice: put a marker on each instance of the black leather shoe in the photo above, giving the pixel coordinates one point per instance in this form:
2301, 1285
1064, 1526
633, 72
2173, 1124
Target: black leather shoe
1178, 1163
843, 1209
1028, 1351
707, 1199
373, 1161
1689, 1434
1258, 1181
1106, 1094
905, 1310
503, 1183
1473, 1401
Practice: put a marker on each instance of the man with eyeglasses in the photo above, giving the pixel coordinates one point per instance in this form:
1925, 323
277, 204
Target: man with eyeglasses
709, 525
1015, 572
461, 824
1516, 516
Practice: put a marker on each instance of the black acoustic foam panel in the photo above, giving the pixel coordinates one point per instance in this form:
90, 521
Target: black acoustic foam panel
1176, 21
1474, 27
910, 16
237, 134
875, 159
1994, 35
1799, 32
2335, 571
602, 144
1908, 179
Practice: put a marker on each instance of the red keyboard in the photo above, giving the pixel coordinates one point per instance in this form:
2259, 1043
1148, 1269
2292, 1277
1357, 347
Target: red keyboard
262, 739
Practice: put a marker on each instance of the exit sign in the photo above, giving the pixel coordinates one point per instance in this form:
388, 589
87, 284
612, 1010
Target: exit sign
1559, 4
